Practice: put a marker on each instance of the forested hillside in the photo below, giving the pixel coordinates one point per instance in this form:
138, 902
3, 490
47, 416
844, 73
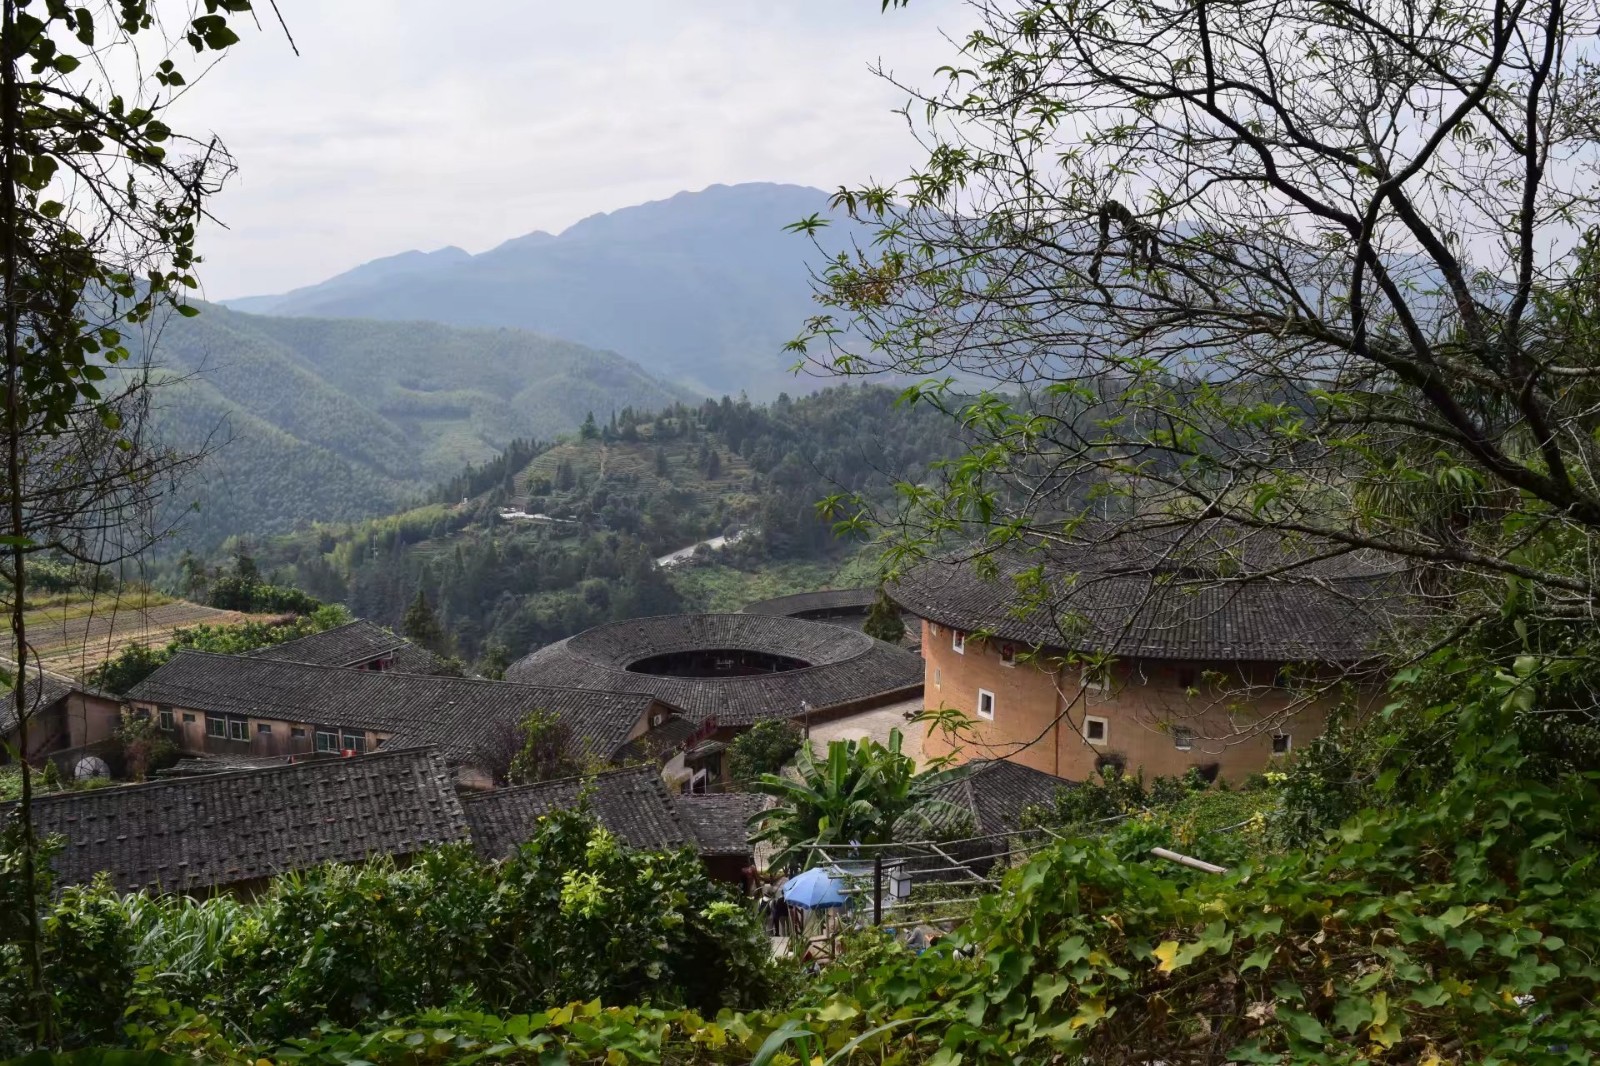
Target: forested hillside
613, 498
313, 419
703, 288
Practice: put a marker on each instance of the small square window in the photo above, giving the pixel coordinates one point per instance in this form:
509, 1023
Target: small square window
187, 717
264, 728
327, 741
986, 704
1182, 737
1096, 730
1186, 679
164, 719
1008, 655
958, 642
216, 727
297, 732
238, 729
1280, 743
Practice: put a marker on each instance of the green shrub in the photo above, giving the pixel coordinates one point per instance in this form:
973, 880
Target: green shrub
764, 748
573, 916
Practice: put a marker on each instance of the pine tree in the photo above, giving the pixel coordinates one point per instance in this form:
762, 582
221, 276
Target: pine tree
421, 626
884, 621
589, 430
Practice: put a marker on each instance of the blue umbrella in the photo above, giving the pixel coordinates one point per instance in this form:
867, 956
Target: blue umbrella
814, 888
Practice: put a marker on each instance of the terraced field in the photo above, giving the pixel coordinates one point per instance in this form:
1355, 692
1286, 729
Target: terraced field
72, 636
633, 466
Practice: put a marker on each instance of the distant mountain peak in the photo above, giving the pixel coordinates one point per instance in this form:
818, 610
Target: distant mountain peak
703, 287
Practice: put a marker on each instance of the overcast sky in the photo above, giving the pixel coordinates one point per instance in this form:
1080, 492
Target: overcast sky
415, 124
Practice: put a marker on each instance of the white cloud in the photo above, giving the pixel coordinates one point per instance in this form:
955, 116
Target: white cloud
414, 124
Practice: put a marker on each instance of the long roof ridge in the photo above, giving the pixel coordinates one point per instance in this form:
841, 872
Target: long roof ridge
483, 681
254, 772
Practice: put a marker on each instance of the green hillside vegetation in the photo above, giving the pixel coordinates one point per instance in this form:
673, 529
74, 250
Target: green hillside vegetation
626, 490
333, 420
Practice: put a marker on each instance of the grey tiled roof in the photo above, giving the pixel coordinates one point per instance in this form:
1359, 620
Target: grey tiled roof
1216, 596
720, 823
803, 603
214, 830
845, 665
995, 792
632, 803
42, 691
456, 714
350, 645
658, 743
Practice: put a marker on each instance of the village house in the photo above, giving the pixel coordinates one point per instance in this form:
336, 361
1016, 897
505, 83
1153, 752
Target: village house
1219, 653
634, 804
252, 706
232, 831
63, 716
725, 672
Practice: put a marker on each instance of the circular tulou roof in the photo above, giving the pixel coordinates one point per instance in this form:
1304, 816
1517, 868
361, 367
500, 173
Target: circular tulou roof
800, 604
1217, 597
843, 665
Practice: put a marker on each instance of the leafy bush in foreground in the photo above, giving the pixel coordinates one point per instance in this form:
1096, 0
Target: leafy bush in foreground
573, 916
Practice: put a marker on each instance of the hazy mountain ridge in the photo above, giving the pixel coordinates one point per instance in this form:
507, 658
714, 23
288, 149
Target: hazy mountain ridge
703, 288
339, 419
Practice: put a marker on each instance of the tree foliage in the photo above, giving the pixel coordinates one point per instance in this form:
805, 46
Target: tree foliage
764, 748
574, 915
138, 661
884, 621
1309, 269
863, 792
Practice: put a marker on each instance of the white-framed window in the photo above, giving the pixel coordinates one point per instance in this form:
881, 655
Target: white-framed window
216, 726
187, 717
1096, 730
164, 719
238, 729
1280, 744
355, 742
958, 642
1008, 655
1182, 737
986, 704
327, 741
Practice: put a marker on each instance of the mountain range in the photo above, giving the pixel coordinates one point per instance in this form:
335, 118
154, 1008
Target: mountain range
333, 419
702, 289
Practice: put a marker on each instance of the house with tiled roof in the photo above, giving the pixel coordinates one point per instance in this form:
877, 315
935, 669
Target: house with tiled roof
1159, 649
254, 706
358, 645
62, 714
726, 672
634, 804
233, 831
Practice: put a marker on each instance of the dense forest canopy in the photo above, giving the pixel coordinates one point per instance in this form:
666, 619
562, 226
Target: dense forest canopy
629, 487
309, 419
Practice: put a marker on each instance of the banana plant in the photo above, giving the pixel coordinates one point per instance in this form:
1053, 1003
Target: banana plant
862, 792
